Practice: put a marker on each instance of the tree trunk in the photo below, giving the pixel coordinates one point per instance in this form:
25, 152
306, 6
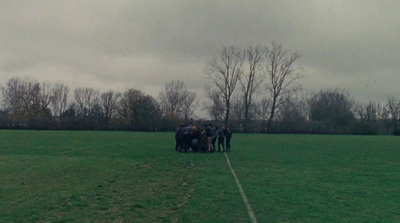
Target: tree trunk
228, 108
246, 114
271, 116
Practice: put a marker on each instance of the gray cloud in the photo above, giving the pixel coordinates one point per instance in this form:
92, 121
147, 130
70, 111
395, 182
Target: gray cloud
144, 44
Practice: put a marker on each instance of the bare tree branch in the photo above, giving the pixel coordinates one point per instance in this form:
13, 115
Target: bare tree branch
224, 72
251, 79
282, 75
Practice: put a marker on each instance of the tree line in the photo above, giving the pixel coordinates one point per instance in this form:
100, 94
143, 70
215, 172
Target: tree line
253, 90
28, 104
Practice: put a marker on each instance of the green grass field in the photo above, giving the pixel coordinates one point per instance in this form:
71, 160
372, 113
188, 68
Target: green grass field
64, 176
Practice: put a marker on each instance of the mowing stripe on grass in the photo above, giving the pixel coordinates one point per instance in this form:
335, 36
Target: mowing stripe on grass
82, 148
246, 202
62, 152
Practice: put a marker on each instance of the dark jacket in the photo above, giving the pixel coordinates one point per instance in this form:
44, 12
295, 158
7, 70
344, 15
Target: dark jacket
197, 134
227, 133
178, 134
220, 134
188, 130
210, 131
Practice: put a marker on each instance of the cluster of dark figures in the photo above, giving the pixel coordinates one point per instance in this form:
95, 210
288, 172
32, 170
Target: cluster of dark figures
190, 138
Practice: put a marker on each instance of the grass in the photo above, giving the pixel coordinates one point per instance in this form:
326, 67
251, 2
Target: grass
138, 177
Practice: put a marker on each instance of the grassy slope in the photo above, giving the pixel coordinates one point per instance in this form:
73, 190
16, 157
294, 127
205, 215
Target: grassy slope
137, 177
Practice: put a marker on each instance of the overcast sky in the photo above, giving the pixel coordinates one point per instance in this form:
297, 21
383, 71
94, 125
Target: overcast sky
143, 44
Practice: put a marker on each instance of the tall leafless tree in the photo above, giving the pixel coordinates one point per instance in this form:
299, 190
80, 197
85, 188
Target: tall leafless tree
21, 96
21, 100
189, 105
109, 105
46, 95
13, 97
224, 71
282, 74
251, 79
214, 106
177, 101
370, 111
393, 106
60, 99
172, 96
386, 118
30, 97
86, 99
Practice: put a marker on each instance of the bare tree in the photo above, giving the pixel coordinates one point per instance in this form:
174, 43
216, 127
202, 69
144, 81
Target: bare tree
393, 106
293, 117
251, 79
189, 105
238, 110
13, 97
370, 111
386, 118
282, 75
224, 71
333, 109
139, 109
371, 118
215, 105
86, 99
109, 105
21, 97
30, 96
22, 100
171, 99
359, 111
373, 111
177, 101
264, 109
46, 94
60, 99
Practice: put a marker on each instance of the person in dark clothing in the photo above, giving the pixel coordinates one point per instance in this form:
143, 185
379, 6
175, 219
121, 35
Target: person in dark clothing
221, 139
195, 140
178, 138
187, 136
213, 137
210, 132
228, 137
202, 140
208, 129
207, 142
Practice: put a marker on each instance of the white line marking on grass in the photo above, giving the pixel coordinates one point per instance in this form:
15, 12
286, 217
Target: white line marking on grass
246, 202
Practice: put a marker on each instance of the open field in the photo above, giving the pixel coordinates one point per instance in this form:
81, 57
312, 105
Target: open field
63, 176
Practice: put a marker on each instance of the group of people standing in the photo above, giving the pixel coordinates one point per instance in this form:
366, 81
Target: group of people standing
190, 138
